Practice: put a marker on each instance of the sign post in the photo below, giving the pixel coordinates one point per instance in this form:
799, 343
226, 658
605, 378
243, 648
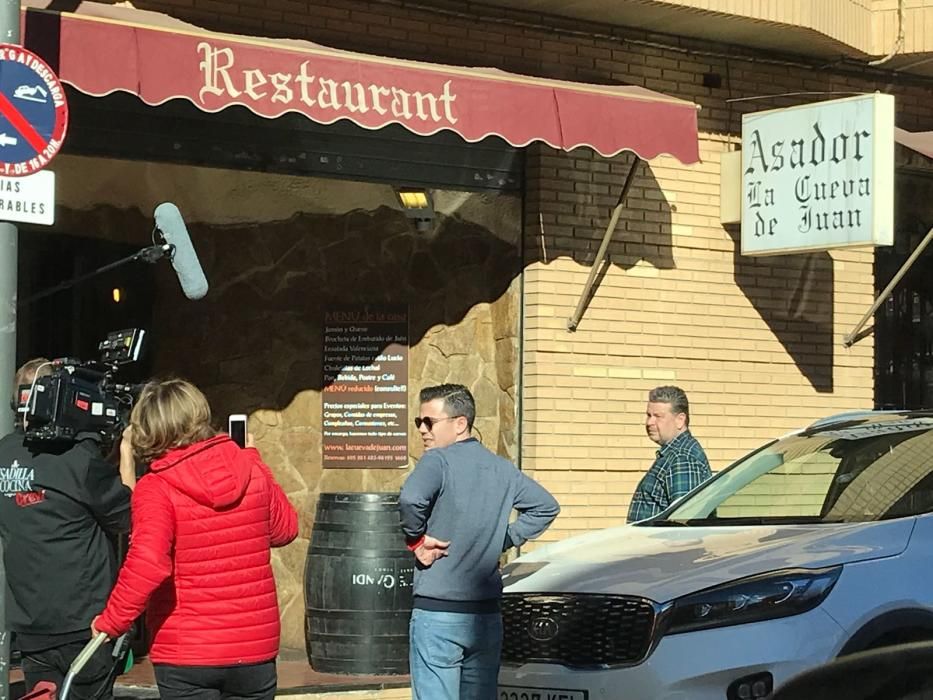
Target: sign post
9, 238
33, 121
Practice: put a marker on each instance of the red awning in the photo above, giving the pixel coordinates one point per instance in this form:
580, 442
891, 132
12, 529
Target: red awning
105, 48
919, 141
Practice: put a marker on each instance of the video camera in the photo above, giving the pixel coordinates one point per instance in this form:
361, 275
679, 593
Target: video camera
82, 397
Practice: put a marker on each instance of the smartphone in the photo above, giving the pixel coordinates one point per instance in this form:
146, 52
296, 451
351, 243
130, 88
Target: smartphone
236, 426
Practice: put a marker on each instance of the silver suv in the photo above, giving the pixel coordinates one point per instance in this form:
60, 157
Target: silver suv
816, 545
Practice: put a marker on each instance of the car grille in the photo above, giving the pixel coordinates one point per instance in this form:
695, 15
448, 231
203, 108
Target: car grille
582, 630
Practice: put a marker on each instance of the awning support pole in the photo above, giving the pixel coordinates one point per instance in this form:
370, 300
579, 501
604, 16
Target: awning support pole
849, 340
574, 320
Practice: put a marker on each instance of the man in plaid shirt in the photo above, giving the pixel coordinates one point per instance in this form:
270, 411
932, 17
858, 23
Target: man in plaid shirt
681, 464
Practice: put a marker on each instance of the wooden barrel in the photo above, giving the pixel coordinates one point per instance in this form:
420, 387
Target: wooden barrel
358, 580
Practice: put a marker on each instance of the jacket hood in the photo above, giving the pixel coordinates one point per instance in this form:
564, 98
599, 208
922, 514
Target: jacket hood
663, 563
214, 472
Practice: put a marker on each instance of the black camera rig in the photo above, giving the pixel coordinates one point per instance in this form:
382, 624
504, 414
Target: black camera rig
83, 397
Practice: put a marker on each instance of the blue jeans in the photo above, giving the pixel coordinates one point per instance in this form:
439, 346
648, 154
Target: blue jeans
454, 656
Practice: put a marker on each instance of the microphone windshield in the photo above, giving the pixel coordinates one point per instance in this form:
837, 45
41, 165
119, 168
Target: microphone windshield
184, 259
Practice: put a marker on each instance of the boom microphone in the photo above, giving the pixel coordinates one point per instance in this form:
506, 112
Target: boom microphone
184, 259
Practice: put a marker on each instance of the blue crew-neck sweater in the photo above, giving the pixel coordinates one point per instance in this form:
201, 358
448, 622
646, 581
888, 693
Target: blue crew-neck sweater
465, 494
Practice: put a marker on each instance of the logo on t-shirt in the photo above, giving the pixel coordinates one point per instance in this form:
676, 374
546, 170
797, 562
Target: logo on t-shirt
29, 498
16, 482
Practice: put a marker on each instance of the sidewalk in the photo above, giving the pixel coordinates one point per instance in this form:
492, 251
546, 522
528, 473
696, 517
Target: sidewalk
296, 678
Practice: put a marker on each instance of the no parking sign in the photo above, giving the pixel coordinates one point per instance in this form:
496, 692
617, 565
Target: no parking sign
33, 112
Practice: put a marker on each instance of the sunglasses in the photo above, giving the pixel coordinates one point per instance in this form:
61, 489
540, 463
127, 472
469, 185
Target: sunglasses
429, 422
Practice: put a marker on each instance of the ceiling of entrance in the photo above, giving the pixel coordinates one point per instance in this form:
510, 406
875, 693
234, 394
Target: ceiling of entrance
675, 18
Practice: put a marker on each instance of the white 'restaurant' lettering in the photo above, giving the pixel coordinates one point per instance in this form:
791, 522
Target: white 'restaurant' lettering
221, 77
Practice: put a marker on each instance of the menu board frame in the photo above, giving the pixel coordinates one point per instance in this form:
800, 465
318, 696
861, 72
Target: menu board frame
364, 395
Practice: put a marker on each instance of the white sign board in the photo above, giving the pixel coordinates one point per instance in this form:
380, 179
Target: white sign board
29, 199
818, 176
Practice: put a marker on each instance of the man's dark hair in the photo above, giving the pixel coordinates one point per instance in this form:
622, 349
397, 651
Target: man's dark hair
673, 395
458, 401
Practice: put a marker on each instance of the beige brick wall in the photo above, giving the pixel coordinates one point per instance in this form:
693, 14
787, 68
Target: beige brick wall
755, 343
867, 27
671, 309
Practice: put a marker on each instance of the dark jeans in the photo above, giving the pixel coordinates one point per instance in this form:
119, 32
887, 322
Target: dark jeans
52, 665
249, 682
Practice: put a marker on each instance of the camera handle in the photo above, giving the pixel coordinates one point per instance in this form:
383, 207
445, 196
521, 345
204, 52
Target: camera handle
150, 255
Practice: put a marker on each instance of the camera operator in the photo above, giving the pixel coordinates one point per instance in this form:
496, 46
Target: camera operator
61, 504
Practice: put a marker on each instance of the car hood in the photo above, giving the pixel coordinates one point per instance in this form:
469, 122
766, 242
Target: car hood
663, 563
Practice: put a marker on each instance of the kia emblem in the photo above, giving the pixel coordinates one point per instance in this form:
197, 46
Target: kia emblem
543, 629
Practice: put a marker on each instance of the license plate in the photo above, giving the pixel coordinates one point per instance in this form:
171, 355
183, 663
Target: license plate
513, 692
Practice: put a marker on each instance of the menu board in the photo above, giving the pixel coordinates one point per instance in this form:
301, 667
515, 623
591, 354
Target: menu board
365, 389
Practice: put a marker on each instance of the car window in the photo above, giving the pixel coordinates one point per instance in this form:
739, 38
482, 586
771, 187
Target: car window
797, 487
859, 472
886, 478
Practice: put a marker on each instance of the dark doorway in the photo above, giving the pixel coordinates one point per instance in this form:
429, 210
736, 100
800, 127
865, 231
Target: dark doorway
904, 323
72, 322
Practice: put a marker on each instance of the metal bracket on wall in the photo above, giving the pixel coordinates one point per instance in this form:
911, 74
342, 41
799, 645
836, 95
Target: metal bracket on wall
853, 336
574, 319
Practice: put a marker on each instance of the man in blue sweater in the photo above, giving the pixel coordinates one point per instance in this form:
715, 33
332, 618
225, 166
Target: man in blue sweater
455, 508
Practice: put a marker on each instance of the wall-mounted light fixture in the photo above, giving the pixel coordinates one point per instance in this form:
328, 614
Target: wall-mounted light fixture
418, 206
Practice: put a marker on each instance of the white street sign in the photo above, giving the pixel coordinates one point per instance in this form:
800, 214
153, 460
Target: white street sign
29, 199
818, 176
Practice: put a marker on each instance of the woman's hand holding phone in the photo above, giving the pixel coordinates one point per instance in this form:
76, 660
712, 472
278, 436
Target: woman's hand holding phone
236, 427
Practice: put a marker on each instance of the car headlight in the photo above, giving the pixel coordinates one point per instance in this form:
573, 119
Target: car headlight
763, 597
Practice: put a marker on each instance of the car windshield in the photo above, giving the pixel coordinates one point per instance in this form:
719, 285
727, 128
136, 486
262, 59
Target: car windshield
858, 471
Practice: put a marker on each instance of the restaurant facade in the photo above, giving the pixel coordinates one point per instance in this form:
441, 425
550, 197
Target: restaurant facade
287, 134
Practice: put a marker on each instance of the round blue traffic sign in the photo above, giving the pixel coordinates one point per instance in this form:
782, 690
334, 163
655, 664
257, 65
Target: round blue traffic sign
33, 112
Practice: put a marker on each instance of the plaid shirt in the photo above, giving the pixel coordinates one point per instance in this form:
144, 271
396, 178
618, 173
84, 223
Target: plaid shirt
680, 466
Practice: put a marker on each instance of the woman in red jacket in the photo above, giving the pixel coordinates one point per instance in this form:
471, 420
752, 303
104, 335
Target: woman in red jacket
204, 519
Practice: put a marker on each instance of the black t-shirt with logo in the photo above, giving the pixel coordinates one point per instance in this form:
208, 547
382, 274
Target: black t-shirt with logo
60, 508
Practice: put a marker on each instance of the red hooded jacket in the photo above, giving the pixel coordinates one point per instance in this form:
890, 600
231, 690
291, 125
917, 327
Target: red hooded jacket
204, 519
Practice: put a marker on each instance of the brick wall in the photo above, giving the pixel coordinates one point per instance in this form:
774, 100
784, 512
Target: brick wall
755, 343
676, 305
